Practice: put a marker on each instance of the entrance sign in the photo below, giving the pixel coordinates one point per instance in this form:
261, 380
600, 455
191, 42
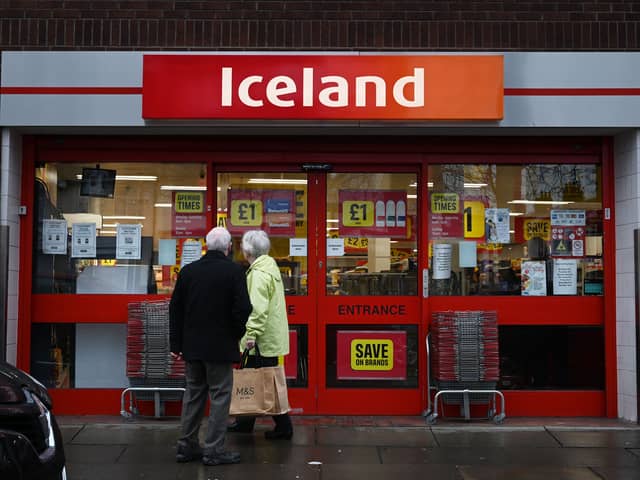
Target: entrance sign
412, 87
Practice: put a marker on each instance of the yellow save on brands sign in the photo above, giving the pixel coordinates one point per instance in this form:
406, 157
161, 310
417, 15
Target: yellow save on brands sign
536, 227
370, 354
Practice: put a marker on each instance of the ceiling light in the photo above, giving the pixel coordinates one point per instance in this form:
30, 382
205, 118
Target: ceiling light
539, 202
123, 217
515, 214
162, 205
279, 181
133, 178
412, 196
332, 220
182, 187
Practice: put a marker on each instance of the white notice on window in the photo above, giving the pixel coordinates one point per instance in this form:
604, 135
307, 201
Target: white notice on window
191, 251
83, 240
128, 241
534, 278
497, 225
442, 261
54, 237
297, 247
468, 254
565, 276
335, 247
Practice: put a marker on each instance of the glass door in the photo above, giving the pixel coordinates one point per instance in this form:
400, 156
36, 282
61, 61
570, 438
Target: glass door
278, 203
346, 244
369, 309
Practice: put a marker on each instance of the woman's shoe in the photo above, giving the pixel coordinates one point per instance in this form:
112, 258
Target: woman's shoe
239, 428
278, 434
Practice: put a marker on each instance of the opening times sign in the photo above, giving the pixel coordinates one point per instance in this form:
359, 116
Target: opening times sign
273, 211
372, 213
189, 217
371, 355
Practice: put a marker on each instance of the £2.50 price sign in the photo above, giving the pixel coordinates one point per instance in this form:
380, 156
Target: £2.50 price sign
246, 212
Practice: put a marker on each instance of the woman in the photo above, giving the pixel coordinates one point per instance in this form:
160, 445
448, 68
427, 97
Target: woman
267, 326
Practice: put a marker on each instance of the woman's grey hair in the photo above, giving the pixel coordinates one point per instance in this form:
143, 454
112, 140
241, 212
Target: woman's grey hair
218, 239
256, 243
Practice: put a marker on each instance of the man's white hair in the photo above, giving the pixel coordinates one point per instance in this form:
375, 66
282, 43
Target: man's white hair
218, 239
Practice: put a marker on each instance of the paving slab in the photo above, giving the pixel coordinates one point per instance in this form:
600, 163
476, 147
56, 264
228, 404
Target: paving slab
598, 439
501, 438
606, 473
526, 473
127, 434
481, 455
109, 471
376, 436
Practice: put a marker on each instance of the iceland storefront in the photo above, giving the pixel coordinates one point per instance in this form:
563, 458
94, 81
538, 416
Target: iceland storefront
394, 188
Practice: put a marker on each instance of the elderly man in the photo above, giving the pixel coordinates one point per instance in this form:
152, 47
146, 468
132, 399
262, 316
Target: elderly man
208, 313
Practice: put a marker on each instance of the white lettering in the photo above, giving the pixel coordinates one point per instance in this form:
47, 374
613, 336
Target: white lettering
418, 89
243, 91
340, 91
361, 90
307, 87
226, 97
275, 91
282, 90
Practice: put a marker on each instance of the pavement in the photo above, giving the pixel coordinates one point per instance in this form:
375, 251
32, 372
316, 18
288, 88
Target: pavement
364, 448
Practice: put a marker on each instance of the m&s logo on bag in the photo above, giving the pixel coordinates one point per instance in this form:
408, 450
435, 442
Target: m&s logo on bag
245, 391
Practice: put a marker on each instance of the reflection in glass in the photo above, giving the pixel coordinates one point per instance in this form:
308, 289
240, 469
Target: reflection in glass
167, 201
515, 229
371, 234
276, 203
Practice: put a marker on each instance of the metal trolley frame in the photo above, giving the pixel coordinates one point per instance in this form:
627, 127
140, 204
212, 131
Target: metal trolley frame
153, 373
469, 385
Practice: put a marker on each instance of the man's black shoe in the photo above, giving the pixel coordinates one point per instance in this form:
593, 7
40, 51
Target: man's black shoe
278, 434
221, 458
237, 427
187, 454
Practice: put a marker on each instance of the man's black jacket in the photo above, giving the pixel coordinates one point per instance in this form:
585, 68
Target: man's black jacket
209, 309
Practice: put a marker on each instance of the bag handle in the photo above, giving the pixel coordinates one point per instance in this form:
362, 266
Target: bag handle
245, 357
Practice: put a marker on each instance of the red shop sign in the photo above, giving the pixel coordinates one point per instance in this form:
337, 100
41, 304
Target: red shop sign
365, 87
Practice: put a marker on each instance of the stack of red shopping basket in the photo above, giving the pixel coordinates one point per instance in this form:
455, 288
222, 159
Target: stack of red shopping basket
149, 362
465, 352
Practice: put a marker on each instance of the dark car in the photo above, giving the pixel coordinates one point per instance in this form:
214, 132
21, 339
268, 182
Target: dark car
30, 440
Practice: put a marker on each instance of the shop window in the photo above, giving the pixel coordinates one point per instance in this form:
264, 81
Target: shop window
116, 227
82, 355
277, 204
372, 229
531, 230
551, 358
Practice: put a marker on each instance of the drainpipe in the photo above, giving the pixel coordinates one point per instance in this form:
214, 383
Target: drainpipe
636, 253
4, 279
